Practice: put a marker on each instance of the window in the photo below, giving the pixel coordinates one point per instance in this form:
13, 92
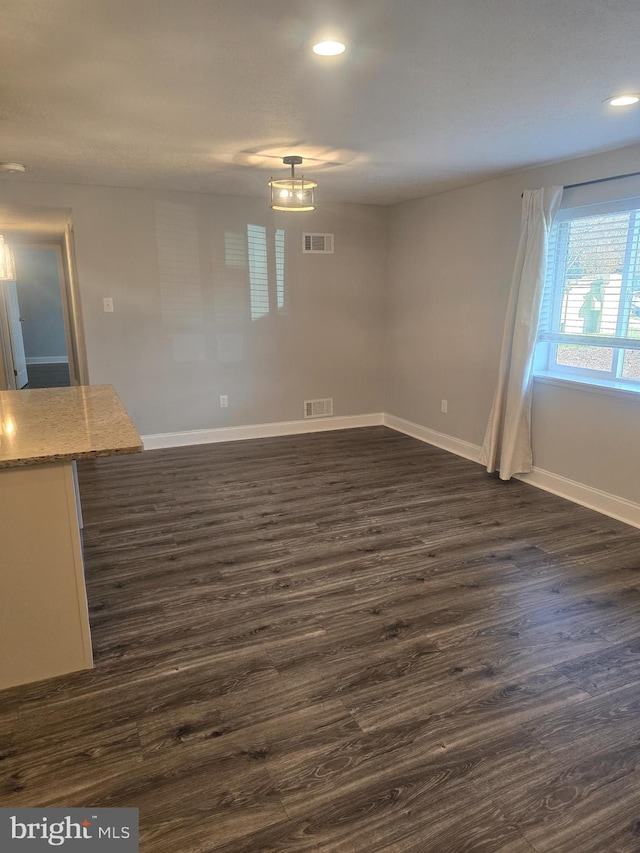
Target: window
590, 317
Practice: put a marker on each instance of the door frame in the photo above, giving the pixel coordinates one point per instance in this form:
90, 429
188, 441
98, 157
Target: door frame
71, 313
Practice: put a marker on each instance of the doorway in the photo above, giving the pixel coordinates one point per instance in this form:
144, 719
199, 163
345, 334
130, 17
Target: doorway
36, 318
41, 340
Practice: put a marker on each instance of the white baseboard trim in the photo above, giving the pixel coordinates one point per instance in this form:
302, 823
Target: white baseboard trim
430, 436
579, 493
602, 502
48, 359
242, 433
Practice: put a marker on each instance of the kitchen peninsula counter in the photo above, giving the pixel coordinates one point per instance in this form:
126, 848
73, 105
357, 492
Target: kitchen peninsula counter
59, 424
44, 622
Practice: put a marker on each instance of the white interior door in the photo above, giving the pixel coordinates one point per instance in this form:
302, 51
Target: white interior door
15, 333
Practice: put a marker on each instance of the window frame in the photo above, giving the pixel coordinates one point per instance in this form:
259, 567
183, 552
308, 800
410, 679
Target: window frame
549, 338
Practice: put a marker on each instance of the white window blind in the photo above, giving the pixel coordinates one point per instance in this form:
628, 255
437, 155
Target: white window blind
590, 320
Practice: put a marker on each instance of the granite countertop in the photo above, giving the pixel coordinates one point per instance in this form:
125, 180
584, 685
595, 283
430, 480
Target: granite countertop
57, 424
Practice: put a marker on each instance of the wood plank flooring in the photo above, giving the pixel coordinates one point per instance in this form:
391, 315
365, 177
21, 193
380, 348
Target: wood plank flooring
343, 642
48, 375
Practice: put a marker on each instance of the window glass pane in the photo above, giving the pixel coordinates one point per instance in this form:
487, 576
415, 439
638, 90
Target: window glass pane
631, 364
597, 245
592, 288
588, 358
593, 274
633, 327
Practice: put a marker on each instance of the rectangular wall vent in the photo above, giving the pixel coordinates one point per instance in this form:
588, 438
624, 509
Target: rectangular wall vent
318, 408
318, 244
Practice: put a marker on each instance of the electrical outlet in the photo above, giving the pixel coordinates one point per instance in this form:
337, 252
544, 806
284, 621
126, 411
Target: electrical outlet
224, 401
444, 406
107, 304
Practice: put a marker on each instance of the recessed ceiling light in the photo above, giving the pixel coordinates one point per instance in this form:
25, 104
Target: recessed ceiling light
329, 48
623, 100
12, 167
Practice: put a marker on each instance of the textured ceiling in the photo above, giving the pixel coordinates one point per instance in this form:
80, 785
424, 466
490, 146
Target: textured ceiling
208, 95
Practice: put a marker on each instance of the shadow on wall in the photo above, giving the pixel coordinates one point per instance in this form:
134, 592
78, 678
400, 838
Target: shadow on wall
253, 287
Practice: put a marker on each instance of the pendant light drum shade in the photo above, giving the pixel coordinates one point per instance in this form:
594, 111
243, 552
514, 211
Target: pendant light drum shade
292, 193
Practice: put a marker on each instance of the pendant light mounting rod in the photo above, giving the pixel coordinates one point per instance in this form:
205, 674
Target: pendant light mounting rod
292, 160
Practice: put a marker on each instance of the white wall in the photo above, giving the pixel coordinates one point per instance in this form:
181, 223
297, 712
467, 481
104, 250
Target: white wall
181, 333
437, 316
450, 267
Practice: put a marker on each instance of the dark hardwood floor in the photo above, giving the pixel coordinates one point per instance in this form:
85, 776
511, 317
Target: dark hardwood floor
48, 376
349, 642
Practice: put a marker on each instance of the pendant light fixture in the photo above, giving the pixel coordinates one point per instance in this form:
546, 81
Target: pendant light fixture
292, 193
7, 263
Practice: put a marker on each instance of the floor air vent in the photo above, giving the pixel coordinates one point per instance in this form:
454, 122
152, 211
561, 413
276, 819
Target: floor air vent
318, 408
318, 244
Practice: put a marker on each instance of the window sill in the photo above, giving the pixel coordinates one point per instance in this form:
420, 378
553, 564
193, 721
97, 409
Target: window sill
618, 390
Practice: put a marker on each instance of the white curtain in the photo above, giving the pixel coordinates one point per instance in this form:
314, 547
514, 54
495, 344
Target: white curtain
507, 442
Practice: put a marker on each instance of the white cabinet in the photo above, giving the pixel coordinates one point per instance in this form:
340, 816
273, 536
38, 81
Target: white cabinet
44, 622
